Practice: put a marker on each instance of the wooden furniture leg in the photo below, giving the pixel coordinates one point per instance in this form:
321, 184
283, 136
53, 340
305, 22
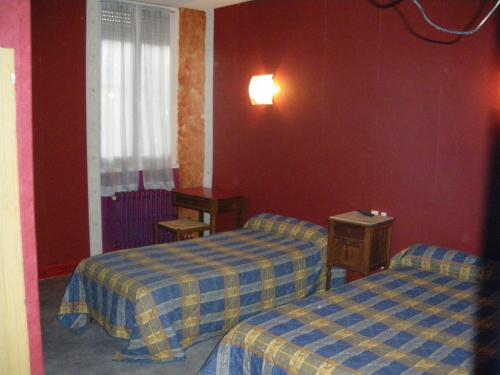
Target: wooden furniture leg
201, 218
329, 257
157, 233
240, 216
212, 223
176, 211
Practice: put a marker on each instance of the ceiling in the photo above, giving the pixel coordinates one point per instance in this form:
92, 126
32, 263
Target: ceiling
196, 4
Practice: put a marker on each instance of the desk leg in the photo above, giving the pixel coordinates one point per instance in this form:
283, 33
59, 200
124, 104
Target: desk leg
240, 213
240, 217
157, 233
212, 223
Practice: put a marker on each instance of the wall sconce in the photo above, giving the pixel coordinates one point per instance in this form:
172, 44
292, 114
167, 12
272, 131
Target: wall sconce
262, 89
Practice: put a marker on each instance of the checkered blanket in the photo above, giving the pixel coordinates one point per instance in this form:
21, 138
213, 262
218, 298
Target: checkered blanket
164, 298
406, 320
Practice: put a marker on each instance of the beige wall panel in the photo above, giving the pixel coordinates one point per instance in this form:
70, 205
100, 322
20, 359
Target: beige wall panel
191, 97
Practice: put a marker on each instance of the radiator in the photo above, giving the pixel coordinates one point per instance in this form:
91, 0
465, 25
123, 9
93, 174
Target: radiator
129, 218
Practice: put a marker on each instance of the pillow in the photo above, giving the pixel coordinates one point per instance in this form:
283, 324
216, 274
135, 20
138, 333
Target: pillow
289, 227
448, 262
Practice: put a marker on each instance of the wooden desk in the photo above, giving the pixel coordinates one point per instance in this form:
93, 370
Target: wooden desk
212, 201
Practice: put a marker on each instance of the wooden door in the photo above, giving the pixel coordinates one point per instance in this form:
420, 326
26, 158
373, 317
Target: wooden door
14, 347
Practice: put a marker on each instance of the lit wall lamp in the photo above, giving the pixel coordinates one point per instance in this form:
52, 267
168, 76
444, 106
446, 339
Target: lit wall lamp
262, 89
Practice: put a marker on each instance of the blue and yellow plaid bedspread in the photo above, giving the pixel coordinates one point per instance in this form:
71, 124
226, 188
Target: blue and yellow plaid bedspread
400, 321
166, 297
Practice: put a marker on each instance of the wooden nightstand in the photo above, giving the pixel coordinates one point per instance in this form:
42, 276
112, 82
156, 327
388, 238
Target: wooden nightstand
358, 243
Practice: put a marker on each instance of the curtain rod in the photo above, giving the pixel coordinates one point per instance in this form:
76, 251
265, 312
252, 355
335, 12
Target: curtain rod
172, 9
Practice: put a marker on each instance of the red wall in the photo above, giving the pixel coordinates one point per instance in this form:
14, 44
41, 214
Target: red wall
15, 33
369, 115
58, 32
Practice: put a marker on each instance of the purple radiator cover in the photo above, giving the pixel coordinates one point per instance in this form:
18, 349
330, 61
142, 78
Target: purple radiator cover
128, 221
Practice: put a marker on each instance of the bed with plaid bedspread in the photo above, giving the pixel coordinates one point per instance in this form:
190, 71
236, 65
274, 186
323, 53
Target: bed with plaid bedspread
436, 311
163, 298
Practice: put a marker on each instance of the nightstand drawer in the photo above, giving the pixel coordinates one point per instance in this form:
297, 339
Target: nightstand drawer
349, 231
348, 252
351, 242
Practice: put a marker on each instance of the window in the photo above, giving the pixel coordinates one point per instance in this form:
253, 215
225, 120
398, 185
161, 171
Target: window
138, 91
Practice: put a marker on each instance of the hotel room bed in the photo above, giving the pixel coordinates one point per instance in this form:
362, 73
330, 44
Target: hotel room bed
435, 311
164, 298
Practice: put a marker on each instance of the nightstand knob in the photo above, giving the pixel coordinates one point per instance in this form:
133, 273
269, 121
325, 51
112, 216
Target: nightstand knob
351, 242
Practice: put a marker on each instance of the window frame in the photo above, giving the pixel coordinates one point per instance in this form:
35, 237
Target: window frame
174, 77
174, 84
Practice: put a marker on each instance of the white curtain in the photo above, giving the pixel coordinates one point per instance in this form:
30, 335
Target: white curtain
135, 97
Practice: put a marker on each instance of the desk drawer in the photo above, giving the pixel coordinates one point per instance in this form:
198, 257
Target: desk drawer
230, 204
191, 202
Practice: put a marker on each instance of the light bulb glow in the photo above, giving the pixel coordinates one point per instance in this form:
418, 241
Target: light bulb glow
262, 89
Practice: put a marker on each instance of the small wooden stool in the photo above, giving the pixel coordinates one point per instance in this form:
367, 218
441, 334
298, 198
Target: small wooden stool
180, 228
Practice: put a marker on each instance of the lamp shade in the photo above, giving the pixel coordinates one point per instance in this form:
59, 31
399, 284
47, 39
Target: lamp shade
262, 89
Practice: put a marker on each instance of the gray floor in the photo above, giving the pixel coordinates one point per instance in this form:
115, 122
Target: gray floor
91, 353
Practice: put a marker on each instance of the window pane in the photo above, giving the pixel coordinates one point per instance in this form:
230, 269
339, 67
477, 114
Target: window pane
135, 82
